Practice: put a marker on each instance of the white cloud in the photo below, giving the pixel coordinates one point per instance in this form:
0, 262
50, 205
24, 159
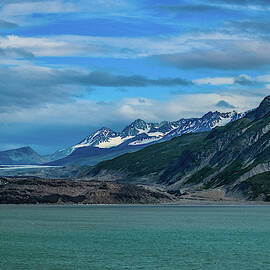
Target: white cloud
242, 79
126, 47
61, 125
215, 81
19, 10
26, 8
38, 46
87, 112
264, 78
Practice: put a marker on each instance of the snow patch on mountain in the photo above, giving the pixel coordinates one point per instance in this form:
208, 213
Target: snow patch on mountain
222, 122
140, 133
144, 141
113, 142
155, 134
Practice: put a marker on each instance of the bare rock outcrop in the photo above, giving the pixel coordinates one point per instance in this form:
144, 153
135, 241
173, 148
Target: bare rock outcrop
32, 190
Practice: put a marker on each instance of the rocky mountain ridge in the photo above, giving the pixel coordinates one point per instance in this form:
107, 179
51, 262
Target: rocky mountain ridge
231, 157
106, 143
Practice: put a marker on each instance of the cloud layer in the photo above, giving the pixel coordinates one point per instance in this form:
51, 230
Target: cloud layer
68, 67
32, 86
60, 125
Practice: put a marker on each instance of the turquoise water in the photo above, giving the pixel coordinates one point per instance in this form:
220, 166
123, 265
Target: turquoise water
25, 167
134, 237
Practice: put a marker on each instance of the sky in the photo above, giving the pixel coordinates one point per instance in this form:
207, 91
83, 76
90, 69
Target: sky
70, 67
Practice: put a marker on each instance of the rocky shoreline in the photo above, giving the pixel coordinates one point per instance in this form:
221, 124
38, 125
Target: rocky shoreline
33, 190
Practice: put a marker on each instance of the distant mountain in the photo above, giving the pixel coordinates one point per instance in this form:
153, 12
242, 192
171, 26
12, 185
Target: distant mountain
106, 143
21, 156
234, 158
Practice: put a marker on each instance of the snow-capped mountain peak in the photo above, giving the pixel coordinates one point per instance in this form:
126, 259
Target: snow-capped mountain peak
100, 136
139, 126
140, 133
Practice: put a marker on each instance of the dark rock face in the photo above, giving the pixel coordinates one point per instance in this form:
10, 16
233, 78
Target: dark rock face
261, 111
132, 129
32, 190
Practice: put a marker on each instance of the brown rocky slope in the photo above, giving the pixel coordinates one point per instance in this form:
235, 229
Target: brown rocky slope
31, 190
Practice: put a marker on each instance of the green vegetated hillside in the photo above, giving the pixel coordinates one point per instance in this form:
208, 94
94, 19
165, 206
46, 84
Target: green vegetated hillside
229, 156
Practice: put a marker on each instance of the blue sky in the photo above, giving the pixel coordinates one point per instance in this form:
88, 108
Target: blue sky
70, 67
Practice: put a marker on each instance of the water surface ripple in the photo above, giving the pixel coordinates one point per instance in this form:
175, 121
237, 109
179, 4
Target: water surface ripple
134, 237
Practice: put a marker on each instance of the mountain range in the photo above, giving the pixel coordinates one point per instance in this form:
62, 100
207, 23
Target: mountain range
227, 154
106, 144
234, 159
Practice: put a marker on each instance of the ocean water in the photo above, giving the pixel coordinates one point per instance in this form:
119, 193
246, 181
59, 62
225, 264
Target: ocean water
134, 237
